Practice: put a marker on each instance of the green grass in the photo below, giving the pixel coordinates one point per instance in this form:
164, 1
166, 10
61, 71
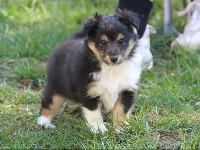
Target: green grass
164, 117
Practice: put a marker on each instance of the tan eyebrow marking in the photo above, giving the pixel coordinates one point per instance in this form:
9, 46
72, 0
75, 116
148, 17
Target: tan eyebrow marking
104, 37
119, 37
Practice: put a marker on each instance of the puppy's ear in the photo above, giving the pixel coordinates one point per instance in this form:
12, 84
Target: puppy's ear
91, 25
128, 18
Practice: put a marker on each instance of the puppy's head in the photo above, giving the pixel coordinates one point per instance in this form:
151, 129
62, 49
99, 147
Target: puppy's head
112, 38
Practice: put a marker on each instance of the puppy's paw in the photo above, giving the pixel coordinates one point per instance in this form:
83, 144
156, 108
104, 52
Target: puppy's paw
45, 121
98, 129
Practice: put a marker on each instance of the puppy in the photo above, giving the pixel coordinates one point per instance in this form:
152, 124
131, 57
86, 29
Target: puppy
190, 37
97, 67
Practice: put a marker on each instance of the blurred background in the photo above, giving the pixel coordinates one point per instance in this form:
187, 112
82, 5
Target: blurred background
31, 28
165, 114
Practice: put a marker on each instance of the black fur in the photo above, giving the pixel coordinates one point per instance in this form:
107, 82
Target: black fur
70, 65
89, 26
127, 98
140, 7
68, 72
127, 18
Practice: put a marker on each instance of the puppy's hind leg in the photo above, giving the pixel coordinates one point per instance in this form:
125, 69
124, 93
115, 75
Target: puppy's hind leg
50, 105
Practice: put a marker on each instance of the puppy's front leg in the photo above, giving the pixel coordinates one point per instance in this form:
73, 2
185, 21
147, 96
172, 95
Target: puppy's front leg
122, 109
92, 113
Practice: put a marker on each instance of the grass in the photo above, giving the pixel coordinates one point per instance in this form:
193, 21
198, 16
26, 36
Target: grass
165, 115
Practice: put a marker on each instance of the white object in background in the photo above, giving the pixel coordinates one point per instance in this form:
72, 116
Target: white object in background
190, 38
143, 47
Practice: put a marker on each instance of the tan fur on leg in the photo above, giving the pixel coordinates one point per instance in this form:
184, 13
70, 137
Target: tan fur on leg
119, 117
46, 113
54, 107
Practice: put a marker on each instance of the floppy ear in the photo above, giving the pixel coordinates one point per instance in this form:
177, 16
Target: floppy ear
91, 25
128, 18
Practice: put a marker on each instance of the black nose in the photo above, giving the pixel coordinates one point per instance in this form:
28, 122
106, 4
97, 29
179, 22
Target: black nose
113, 59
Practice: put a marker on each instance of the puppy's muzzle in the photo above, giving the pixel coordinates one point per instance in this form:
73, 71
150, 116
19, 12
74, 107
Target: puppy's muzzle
114, 58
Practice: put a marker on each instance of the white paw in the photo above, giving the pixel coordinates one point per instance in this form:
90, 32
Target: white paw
45, 121
98, 129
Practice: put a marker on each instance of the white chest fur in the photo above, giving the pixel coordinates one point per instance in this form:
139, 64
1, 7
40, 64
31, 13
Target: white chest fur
111, 80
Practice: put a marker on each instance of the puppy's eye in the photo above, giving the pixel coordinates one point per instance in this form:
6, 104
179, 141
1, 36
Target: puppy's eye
103, 43
121, 42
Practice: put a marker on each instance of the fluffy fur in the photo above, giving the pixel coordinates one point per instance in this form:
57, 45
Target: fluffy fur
97, 67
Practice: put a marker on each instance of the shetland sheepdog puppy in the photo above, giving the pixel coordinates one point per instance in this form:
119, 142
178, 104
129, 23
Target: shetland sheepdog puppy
97, 67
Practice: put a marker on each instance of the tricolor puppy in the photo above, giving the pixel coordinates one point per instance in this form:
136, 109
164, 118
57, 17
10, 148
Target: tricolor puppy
98, 67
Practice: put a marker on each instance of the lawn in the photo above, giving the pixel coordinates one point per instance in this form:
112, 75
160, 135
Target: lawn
165, 115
